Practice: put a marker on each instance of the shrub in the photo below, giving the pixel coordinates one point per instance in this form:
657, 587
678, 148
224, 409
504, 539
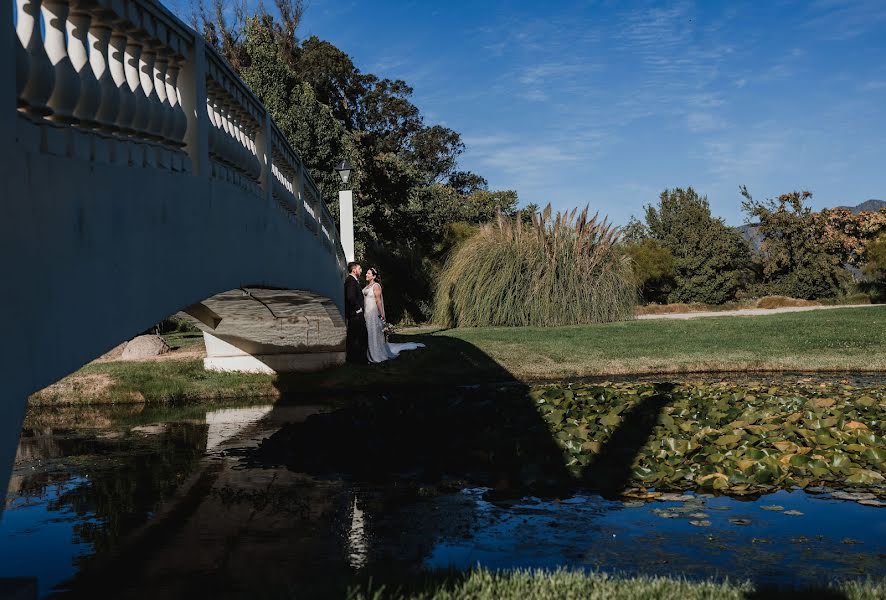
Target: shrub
798, 257
712, 262
551, 271
769, 302
875, 270
653, 266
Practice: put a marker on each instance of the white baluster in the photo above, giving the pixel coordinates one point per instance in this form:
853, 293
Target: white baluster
133, 80
66, 90
174, 96
167, 123
213, 127
154, 123
229, 148
41, 75
21, 68
90, 91
109, 95
117, 64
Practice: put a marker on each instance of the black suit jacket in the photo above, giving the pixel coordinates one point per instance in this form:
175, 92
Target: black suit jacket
353, 297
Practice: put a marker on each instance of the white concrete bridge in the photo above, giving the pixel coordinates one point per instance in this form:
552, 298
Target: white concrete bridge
140, 176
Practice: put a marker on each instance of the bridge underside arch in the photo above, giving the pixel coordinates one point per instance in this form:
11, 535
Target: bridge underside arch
269, 331
96, 253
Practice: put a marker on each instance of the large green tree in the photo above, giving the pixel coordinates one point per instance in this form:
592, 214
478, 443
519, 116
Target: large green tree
797, 256
408, 189
711, 261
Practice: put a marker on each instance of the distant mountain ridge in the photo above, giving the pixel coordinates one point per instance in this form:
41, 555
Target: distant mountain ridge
751, 231
871, 205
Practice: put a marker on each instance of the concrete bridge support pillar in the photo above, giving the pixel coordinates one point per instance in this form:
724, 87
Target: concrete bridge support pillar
224, 356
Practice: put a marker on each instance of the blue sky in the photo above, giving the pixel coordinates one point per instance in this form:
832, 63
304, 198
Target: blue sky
608, 103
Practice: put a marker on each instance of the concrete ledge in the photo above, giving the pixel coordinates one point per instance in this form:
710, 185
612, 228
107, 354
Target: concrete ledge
274, 363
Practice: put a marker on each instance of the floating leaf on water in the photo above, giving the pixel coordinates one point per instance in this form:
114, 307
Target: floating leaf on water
699, 515
746, 464
865, 476
850, 541
726, 440
822, 402
668, 515
773, 507
700, 523
785, 446
710, 476
855, 425
740, 521
823, 439
633, 504
793, 513
611, 420
669, 497
841, 495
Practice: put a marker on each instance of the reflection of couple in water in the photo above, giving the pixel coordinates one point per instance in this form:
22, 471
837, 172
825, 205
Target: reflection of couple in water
365, 314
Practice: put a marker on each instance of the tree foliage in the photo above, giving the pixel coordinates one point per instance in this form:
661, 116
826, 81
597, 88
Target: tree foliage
875, 269
653, 268
850, 234
797, 256
711, 261
406, 181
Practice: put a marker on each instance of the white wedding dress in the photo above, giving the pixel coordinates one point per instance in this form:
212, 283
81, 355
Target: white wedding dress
379, 350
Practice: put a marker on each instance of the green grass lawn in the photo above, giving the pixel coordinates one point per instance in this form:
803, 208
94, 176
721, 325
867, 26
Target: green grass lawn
845, 340
832, 340
549, 585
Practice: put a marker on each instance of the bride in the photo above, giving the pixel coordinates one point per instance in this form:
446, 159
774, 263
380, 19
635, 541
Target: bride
374, 310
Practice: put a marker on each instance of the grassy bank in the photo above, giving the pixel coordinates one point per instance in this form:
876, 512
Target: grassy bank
839, 340
156, 381
833, 340
544, 585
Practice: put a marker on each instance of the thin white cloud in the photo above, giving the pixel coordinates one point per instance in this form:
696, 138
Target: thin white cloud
846, 19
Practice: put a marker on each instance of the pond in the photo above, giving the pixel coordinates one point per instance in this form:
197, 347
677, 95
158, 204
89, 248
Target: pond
311, 498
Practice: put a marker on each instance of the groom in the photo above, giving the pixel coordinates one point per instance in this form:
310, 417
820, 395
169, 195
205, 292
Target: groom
357, 341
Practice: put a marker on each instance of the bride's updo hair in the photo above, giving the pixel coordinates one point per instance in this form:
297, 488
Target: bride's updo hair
374, 272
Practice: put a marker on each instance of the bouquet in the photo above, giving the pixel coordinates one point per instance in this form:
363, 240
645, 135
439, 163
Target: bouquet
388, 329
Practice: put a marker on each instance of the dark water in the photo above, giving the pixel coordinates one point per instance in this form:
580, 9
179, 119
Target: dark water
242, 501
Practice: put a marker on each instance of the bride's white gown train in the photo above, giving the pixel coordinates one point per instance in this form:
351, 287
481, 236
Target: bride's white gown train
380, 350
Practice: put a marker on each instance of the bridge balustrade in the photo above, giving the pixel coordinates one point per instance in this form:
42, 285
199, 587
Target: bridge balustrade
126, 83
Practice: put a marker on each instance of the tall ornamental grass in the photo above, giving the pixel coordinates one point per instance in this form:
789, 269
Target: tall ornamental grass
554, 270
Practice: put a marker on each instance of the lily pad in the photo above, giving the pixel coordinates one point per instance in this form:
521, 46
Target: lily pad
773, 507
668, 497
700, 523
793, 513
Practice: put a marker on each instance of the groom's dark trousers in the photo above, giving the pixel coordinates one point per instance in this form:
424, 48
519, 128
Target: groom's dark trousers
357, 340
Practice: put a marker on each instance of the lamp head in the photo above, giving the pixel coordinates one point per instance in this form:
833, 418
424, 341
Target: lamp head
344, 170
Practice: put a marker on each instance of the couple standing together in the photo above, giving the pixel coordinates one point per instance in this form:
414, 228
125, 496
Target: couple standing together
365, 314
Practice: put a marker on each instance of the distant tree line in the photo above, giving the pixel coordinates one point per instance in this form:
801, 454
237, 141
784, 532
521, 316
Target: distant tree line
681, 253
413, 205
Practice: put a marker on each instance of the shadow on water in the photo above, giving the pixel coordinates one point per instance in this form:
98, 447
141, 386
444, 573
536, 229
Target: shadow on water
610, 471
491, 435
377, 447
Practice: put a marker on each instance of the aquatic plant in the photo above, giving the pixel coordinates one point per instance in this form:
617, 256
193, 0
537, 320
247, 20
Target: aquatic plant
553, 270
735, 439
